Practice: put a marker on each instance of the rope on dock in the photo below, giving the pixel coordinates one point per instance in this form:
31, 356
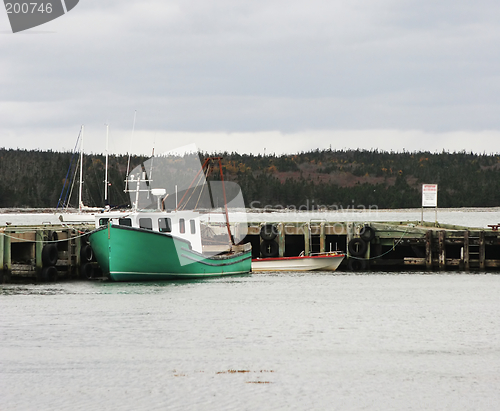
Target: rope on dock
81, 234
387, 252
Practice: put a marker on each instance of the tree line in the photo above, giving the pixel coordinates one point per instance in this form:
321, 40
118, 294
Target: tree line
314, 179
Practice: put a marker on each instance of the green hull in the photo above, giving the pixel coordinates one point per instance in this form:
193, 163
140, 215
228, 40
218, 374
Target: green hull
133, 254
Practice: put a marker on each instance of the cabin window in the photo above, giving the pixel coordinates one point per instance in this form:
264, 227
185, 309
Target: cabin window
193, 226
103, 221
125, 221
182, 226
146, 223
165, 225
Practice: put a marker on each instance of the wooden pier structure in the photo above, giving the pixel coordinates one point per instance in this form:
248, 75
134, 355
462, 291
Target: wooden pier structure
382, 245
46, 253
51, 252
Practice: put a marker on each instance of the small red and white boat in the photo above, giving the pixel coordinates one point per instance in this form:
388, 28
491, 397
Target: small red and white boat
317, 262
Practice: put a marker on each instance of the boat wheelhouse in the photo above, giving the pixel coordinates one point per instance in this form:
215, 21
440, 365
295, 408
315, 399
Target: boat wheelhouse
184, 224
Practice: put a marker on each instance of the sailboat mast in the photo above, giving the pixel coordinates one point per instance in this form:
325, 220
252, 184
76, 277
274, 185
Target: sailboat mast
80, 203
106, 172
130, 152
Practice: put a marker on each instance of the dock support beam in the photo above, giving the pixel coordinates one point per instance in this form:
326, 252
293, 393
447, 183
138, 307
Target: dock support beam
322, 238
466, 256
428, 250
1, 255
38, 250
7, 256
482, 251
307, 236
442, 250
1, 248
281, 239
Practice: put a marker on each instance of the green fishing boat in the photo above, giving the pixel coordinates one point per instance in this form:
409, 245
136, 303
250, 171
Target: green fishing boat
152, 243
128, 253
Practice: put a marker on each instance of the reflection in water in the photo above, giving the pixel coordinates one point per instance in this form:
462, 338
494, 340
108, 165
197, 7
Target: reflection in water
108, 287
268, 341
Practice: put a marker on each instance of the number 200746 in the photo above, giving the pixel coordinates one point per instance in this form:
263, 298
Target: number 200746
28, 8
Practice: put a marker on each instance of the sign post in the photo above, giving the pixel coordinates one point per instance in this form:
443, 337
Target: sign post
429, 198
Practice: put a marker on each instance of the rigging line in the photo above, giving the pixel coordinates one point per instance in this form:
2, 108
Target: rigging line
202, 188
96, 179
199, 171
114, 191
73, 183
67, 173
186, 202
201, 176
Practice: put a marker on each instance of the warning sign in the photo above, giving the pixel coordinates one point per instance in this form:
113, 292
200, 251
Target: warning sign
429, 195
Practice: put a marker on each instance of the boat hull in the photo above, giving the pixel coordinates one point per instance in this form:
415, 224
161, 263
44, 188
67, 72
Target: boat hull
327, 262
134, 254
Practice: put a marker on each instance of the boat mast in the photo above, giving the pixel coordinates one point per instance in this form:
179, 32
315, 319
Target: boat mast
130, 152
80, 203
106, 172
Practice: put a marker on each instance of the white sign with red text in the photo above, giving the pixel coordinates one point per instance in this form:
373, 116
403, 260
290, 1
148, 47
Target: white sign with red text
429, 195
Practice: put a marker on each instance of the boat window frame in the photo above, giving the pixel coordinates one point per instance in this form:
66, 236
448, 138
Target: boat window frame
125, 221
182, 226
103, 221
148, 220
192, 223
167, 227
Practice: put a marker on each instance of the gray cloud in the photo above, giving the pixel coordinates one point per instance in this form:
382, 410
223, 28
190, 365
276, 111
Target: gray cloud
259, 66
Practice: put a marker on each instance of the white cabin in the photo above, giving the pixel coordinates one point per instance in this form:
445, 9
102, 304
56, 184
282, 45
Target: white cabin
182, 224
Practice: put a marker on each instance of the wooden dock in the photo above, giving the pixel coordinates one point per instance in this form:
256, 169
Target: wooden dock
382, 245
50, 252
46, 253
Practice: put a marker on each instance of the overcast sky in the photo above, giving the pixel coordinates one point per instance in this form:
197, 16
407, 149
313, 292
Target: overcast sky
248, 76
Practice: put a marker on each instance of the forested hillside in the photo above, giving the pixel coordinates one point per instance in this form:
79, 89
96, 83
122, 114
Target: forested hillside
320, 178
37, 178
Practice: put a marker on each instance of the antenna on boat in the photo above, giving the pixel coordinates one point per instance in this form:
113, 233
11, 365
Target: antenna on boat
151, 167
80, 203
106, 168
130, 151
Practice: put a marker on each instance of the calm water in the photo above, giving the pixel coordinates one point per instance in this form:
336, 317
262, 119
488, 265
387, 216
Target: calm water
258, 342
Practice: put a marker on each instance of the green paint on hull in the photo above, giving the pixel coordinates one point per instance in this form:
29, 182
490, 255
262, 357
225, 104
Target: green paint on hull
133, 254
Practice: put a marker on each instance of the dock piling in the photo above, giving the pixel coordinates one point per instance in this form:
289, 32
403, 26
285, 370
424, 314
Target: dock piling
466, 251
442, 249
281, 239
482, 251
38, 251
428, 250
307, 237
